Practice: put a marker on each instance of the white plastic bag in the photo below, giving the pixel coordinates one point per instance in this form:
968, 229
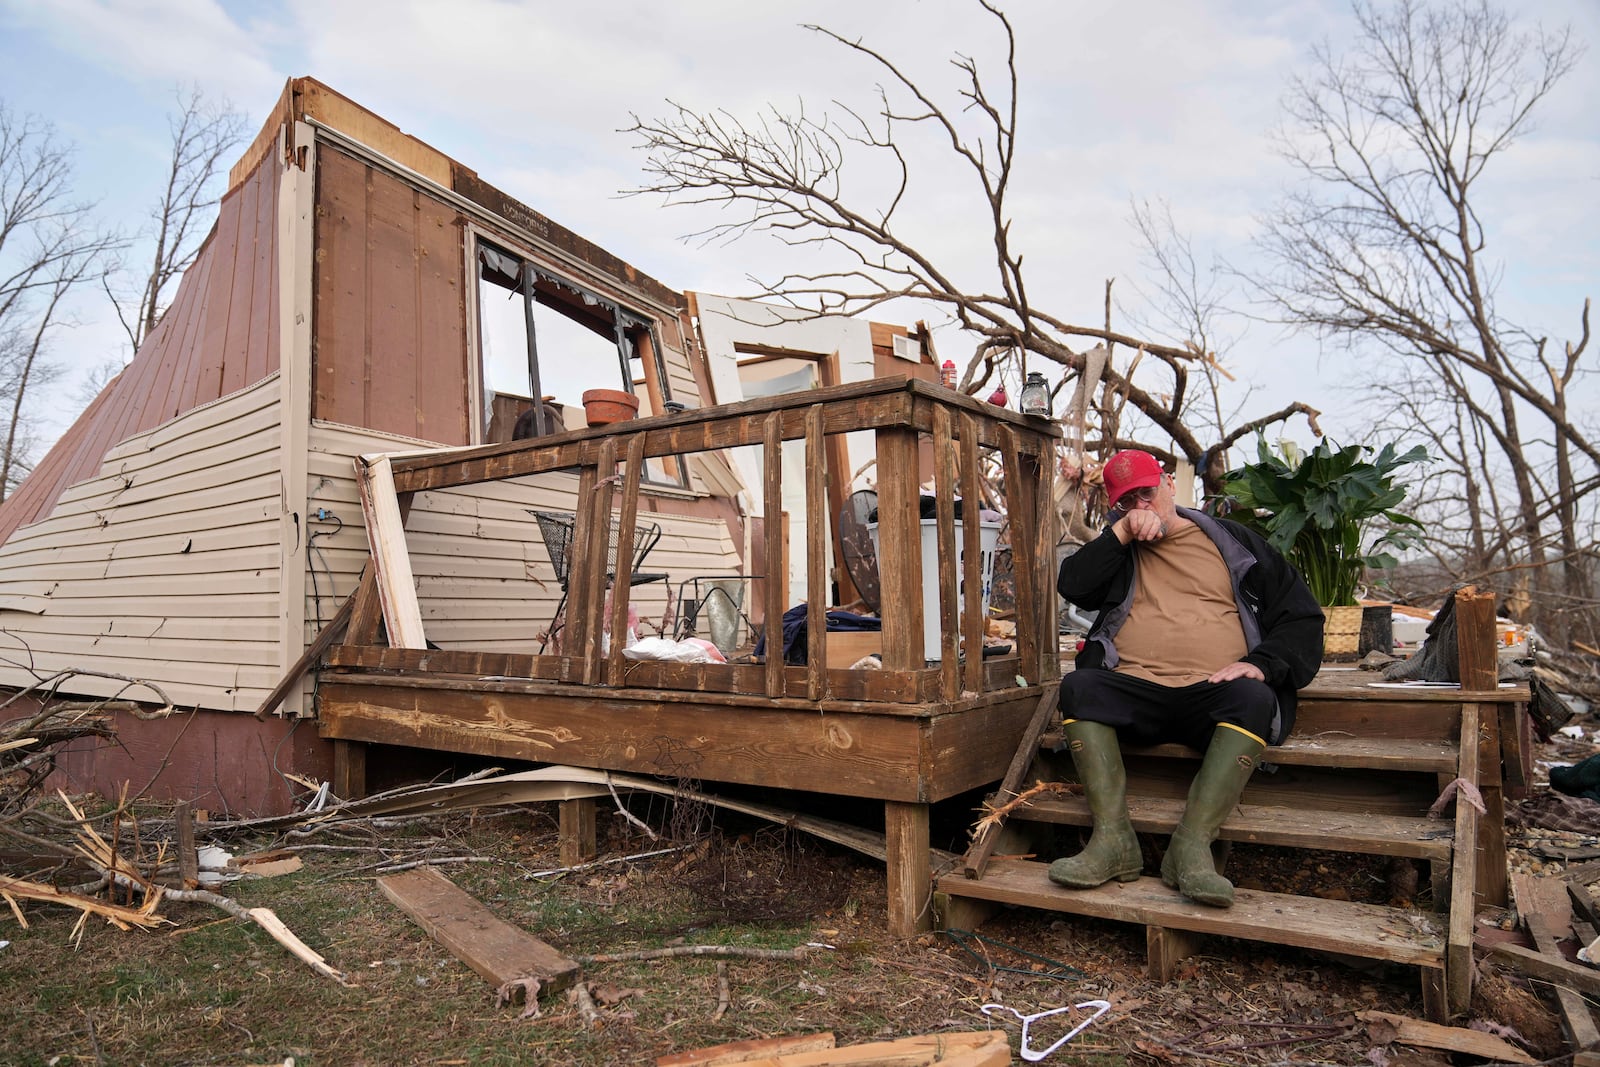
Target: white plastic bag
689, 650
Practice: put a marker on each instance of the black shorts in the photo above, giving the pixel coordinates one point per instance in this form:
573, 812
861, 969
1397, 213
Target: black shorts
1148, 713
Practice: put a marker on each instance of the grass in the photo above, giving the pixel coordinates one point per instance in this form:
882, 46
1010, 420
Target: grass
222, 992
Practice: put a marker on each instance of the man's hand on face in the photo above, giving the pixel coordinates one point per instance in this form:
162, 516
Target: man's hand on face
1139, 525
1237, 669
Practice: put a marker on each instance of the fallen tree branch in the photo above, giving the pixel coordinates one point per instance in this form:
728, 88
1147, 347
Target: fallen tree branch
724, 994
118, 915
798, 953
577, 867
996, 814
393, 868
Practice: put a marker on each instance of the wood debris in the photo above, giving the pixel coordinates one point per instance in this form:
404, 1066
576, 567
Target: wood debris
508, 957
979, 1048
1385, 1028
995, 814
1546, 912
746, 1051
122, 917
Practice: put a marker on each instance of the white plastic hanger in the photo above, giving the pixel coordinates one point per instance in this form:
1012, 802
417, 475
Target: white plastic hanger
1032, 1056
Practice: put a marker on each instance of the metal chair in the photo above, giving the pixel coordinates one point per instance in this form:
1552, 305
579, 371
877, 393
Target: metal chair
557, 528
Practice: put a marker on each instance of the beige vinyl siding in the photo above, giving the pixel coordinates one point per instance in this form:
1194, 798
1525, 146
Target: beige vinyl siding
682, 386
680, 378
484, 580
163, 566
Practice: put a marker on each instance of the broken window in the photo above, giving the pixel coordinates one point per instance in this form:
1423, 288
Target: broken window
543, 336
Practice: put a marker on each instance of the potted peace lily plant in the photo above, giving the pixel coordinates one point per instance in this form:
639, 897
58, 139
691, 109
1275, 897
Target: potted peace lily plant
1331, 511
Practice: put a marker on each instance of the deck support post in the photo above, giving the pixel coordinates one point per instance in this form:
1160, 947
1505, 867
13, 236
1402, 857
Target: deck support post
1435, 1003
350, 770
910, 871
1165, 948
961, 913
576, 838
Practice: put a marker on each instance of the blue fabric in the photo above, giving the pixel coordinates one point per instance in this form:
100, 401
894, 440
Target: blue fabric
795, 622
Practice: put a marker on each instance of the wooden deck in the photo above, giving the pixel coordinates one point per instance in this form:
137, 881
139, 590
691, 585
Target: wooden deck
1359, 775
934, 722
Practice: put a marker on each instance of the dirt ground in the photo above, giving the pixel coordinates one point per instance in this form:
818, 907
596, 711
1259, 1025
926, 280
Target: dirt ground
208, 989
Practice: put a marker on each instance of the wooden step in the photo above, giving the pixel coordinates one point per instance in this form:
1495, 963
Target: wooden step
1366, 930
1332, 831
1324, 750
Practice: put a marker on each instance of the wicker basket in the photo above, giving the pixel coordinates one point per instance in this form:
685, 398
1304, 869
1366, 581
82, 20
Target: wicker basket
1341, 634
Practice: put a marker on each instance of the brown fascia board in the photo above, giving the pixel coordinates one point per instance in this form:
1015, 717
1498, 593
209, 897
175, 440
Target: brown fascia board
310, 99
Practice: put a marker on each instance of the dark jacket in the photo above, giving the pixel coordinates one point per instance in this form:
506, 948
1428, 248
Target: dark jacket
1281, 619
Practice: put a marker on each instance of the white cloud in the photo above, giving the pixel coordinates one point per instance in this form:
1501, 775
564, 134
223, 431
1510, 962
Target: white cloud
1164, 99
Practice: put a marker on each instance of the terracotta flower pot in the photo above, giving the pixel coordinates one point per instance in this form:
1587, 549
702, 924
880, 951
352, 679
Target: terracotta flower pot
602, 407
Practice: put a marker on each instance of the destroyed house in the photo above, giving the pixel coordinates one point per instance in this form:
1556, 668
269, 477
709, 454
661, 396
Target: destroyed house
362, 293
308, 497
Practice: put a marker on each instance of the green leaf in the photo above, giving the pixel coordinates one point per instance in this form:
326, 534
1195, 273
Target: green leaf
1331, 510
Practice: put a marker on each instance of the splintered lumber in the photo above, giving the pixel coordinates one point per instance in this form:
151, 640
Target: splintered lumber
974, 1048
386, 537
1415, 1032
743, 1052
501, 953
1542, 903
1549, 968
977, 858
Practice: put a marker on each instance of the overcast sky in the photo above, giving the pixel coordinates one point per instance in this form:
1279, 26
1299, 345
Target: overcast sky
1168, 99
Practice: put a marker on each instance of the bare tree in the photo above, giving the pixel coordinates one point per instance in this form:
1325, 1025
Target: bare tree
1191, 304
1384, 245
204, 135
783, 173
49, 247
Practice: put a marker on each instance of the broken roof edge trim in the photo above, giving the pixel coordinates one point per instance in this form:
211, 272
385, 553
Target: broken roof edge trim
349, 125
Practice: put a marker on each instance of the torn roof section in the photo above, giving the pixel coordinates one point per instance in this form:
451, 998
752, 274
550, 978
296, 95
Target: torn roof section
361, 292
225, 328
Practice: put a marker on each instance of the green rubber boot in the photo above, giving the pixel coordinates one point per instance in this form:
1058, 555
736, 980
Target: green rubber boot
1187, 866
1113, 849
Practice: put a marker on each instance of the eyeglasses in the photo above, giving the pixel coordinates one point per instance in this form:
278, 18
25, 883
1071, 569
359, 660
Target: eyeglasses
1134, 497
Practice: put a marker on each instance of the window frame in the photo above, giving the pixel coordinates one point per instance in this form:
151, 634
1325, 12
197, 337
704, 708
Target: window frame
635, 335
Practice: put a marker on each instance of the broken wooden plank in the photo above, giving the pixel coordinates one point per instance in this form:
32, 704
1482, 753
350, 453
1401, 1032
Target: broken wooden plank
386, 537
1526, 961
977, 859
1463, 873
308, 659
1546, 912
188, 858
1409, 1031
268, 864
745, 1051
978, 1048
501, 953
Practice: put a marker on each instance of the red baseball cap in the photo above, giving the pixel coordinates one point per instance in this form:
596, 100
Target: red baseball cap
1131, 469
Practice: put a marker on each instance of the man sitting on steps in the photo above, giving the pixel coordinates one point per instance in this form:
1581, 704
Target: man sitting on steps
1204, 634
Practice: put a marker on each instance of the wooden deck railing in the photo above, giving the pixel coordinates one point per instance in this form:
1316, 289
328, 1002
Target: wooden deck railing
899, 413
